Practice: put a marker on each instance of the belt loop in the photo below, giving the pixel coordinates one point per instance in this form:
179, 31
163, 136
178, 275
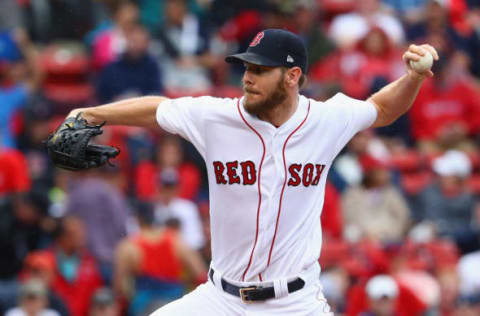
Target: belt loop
217, 279
280, 287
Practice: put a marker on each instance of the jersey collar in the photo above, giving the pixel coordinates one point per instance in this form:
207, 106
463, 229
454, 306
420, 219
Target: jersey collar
286, 127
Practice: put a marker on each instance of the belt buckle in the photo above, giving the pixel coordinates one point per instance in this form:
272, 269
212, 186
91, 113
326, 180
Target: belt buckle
243, 295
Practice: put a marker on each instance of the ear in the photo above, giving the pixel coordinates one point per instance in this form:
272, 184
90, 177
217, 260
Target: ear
293, 76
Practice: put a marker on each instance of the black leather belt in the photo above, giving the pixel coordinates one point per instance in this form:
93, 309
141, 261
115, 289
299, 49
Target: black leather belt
255, 293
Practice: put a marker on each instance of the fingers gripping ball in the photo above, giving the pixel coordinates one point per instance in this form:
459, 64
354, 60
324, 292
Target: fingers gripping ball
69, 147
423, 64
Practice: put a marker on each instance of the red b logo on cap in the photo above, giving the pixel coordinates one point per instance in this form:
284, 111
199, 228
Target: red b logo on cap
257, 39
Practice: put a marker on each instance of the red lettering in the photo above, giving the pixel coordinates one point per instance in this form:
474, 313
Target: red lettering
294, 176
319, 169
232, 172
307, 174
249, 173
218, 167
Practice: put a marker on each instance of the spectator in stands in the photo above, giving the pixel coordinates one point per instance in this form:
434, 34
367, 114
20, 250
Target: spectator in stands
103, 303
153, 260
110, 43
20, 76
152, 12
305, 19
368, 13
364, 68
173, 211
32, 300
76, 273
446, 110
184, 51
169, 154
97, 202
382, 292
36, 120
40, 265
381, 60
434, 21
375, 209
21, 231
444, 26
447, 203
134, 73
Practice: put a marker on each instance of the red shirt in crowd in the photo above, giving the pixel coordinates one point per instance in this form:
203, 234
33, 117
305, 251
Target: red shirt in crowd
77, 294
14, 175
357, 69
158, 258
437, 107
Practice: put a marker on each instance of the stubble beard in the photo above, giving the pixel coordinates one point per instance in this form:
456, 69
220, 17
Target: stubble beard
276, 97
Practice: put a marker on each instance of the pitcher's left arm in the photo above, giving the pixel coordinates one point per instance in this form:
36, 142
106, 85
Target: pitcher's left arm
397, 97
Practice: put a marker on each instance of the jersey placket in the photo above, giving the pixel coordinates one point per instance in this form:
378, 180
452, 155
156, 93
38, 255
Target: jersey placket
280, 148
274, 173
273, 177
278, 141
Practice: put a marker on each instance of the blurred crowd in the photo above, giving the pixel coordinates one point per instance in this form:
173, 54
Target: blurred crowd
401, 218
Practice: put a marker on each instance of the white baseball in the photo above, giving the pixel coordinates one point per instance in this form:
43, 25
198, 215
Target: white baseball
423, 64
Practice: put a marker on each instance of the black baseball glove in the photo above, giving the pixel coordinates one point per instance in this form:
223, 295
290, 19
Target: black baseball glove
69, 147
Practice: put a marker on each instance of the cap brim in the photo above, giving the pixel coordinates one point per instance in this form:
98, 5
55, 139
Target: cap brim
251, 58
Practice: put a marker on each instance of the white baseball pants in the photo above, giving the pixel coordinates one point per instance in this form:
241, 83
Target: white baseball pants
209, 299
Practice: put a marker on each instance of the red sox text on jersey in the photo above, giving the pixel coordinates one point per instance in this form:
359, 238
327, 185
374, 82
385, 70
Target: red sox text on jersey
235, 172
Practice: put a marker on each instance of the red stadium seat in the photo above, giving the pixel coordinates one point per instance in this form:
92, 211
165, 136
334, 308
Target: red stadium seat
407, 161
66, 68
413, 183
69, 93
61, 59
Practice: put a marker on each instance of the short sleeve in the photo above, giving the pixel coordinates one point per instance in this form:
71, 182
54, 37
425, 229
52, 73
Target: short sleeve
185, 117
356, 115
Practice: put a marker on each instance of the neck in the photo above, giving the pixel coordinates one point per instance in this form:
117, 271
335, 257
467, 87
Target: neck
282, 112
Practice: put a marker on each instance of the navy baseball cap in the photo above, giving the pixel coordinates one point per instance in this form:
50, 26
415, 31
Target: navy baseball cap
274, 48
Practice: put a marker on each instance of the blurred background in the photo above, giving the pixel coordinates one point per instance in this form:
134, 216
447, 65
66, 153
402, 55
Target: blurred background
401, 219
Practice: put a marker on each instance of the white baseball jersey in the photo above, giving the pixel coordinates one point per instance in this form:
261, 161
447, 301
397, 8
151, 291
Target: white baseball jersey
266, 184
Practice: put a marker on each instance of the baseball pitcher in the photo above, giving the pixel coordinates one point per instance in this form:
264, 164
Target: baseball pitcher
268, 155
